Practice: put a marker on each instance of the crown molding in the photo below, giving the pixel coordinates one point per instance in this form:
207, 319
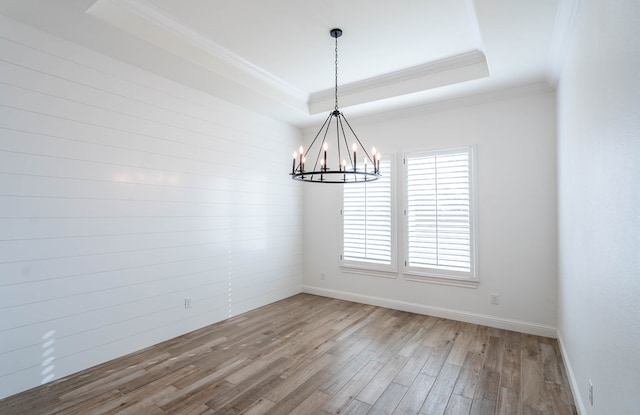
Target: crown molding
146, 21
565, 17
481, 97
150, 23
448, 71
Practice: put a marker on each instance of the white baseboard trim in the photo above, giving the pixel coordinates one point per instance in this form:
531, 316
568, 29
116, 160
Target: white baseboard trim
475, 318
575, 390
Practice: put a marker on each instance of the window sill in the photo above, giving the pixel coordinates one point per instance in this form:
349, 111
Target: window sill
432, 279
354, 269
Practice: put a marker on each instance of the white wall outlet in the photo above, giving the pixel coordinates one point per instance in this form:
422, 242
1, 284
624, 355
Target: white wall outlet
495, 299
187, 303
322, 277
590, 392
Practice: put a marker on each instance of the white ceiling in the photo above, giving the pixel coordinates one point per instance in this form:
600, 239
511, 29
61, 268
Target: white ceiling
277, 57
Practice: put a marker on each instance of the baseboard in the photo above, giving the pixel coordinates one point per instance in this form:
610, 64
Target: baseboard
575, 390
475, 318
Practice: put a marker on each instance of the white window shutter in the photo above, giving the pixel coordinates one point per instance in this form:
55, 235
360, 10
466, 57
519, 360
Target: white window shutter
367, 220
439, 216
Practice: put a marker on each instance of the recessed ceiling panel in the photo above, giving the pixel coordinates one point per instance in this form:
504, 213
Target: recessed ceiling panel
290, 38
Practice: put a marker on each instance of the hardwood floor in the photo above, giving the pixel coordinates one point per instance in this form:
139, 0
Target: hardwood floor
315, 355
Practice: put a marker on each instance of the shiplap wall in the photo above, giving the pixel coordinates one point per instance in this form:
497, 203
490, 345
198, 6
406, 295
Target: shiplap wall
122, 194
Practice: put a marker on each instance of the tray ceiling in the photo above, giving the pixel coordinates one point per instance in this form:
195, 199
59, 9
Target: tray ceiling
276, 57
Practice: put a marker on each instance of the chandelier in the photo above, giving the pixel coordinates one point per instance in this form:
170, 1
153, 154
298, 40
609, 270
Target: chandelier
346, 168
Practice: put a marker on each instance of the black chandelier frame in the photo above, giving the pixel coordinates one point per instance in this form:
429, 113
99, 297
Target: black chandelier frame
348, 171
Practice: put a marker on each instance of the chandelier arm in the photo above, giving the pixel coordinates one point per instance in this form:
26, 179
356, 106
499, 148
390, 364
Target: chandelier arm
338, 140
317, 135
344, 137
324, 138
356, 136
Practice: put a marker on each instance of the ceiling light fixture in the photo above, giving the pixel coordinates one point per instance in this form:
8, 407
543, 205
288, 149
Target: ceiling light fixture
348, 169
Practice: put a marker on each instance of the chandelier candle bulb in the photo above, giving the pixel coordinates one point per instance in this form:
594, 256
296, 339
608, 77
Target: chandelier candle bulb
325, 146
301, 150
294, 162
354, 155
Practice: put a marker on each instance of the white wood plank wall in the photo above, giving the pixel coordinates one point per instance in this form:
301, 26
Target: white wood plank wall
122, 194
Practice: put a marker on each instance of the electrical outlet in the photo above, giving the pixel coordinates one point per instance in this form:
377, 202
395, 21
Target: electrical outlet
495, 299
590, 392
322, 276
187, 303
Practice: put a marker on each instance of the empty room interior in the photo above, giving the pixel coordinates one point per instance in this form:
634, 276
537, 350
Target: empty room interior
458, 231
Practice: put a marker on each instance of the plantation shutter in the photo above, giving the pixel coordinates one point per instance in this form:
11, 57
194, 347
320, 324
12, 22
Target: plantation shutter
367, 222
439, 228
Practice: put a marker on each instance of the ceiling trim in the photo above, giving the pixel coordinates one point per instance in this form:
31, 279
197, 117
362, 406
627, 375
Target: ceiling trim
124, 14
144, 20
565, 17
448, 71
462, 100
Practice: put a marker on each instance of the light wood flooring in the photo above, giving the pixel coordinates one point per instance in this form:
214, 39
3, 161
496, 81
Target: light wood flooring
315, 355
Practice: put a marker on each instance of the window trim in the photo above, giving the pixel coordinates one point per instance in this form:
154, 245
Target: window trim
432, 275
369, 268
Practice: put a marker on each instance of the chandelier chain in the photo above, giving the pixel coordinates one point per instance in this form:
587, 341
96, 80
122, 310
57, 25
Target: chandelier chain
336, 62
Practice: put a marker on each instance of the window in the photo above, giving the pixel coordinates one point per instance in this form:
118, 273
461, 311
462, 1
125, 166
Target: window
367, 218
439, 214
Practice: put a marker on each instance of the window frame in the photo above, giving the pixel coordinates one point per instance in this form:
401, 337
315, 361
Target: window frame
369, 268
435, 275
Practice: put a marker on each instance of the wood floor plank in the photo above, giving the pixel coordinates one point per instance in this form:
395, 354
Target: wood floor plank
340, 378
438, 397
379, 383
458, 405
311, 404
460, 349
414, 365
483, 407
494, 355
300, 394
357, 408
249, 396
268, 371
469, 375
389, 400
533, 393
347, 393
510, 375
302, 375
259, 407
508, 402
317, 355
415, 396
488, 385
550, 364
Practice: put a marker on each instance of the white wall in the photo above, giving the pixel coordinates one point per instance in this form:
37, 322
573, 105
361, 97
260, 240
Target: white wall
599, 206
122, 194
514, 135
